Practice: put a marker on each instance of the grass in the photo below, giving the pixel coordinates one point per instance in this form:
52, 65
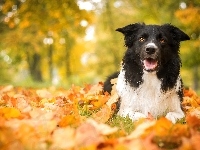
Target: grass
125, 125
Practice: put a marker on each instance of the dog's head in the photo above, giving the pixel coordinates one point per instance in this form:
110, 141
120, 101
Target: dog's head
152, 46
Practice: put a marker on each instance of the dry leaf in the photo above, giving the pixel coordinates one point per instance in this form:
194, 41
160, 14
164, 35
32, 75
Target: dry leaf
63, 138
103, 114
38, 119
112, 100
114, 83
162, 127
6, 88
44, 93
9, 113
87, 134
140, 130
193, 121
102, 128
95, 89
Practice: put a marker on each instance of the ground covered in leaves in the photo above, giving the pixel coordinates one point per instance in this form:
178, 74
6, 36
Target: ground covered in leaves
82, 118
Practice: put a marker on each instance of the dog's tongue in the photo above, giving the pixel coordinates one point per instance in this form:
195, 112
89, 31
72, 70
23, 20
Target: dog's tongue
150, 64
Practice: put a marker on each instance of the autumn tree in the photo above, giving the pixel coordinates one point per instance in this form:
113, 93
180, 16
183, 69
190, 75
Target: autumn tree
189, 17
35, 23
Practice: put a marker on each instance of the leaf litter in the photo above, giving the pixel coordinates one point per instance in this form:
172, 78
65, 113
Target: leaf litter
84, 118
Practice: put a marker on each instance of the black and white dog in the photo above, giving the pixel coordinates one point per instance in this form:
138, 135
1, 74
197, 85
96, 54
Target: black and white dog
149, 80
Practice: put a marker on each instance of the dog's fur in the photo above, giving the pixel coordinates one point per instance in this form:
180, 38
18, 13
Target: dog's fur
149, 80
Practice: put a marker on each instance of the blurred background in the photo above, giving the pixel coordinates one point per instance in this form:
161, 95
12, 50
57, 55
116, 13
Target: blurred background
64, 42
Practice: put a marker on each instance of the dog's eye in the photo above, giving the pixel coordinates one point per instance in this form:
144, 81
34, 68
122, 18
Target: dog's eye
162, 41
141, 39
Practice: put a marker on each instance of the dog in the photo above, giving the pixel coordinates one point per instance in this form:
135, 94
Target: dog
149, 80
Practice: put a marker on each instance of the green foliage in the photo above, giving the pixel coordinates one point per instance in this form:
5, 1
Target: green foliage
31, 22
26, 24
124, 124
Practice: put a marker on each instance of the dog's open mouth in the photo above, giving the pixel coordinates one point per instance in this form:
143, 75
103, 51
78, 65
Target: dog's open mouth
150, 64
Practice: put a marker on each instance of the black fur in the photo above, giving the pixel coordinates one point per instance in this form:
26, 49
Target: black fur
167, 38
107, 84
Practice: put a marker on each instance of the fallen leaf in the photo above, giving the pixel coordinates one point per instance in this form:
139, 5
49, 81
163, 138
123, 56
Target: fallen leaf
112, 100
103, 129
114, 83
195, 141
141, 130
95, 89
9, 112
162, 127
6, 88
43, 93
87, 134
103, 114
63, 138
71, 120
193, 121
148, 143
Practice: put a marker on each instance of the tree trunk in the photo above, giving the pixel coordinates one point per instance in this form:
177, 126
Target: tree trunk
50, 58
195, 78
68, 64
69, 45
110, 23
34, 63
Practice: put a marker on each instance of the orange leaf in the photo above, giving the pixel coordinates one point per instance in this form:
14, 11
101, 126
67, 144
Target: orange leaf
141, 130
195, 140
69, 120
162, 127
63, 138
9, 113
96, 89
148, 144
103, 114
108, 144
98, 101
112, 100
179, 130
87, 134
188, 92
193, 121
102, 128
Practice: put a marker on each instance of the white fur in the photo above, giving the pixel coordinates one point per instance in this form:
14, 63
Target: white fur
151, 44
148, 98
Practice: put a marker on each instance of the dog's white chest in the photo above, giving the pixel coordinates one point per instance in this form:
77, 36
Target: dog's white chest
147, 98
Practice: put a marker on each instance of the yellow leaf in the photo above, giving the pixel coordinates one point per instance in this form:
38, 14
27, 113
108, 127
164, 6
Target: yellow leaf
114, 83
102, 128
63, 138
96, 89
112, 100
162, 127
69, 120
141, 130
103, 114
9, 112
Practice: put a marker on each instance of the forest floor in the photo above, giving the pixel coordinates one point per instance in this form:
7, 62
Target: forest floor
83, 118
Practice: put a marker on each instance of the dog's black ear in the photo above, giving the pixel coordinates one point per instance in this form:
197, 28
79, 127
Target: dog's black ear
177, 33
128, 32
130, 29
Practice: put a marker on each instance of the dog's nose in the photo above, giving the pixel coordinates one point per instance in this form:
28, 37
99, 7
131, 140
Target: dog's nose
151, 48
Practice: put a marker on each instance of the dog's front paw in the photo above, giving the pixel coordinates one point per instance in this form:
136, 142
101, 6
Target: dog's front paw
174, 116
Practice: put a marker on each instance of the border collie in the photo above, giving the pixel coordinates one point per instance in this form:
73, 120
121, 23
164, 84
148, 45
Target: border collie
149, 80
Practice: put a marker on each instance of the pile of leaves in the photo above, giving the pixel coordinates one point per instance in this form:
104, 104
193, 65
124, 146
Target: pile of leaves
83, 118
